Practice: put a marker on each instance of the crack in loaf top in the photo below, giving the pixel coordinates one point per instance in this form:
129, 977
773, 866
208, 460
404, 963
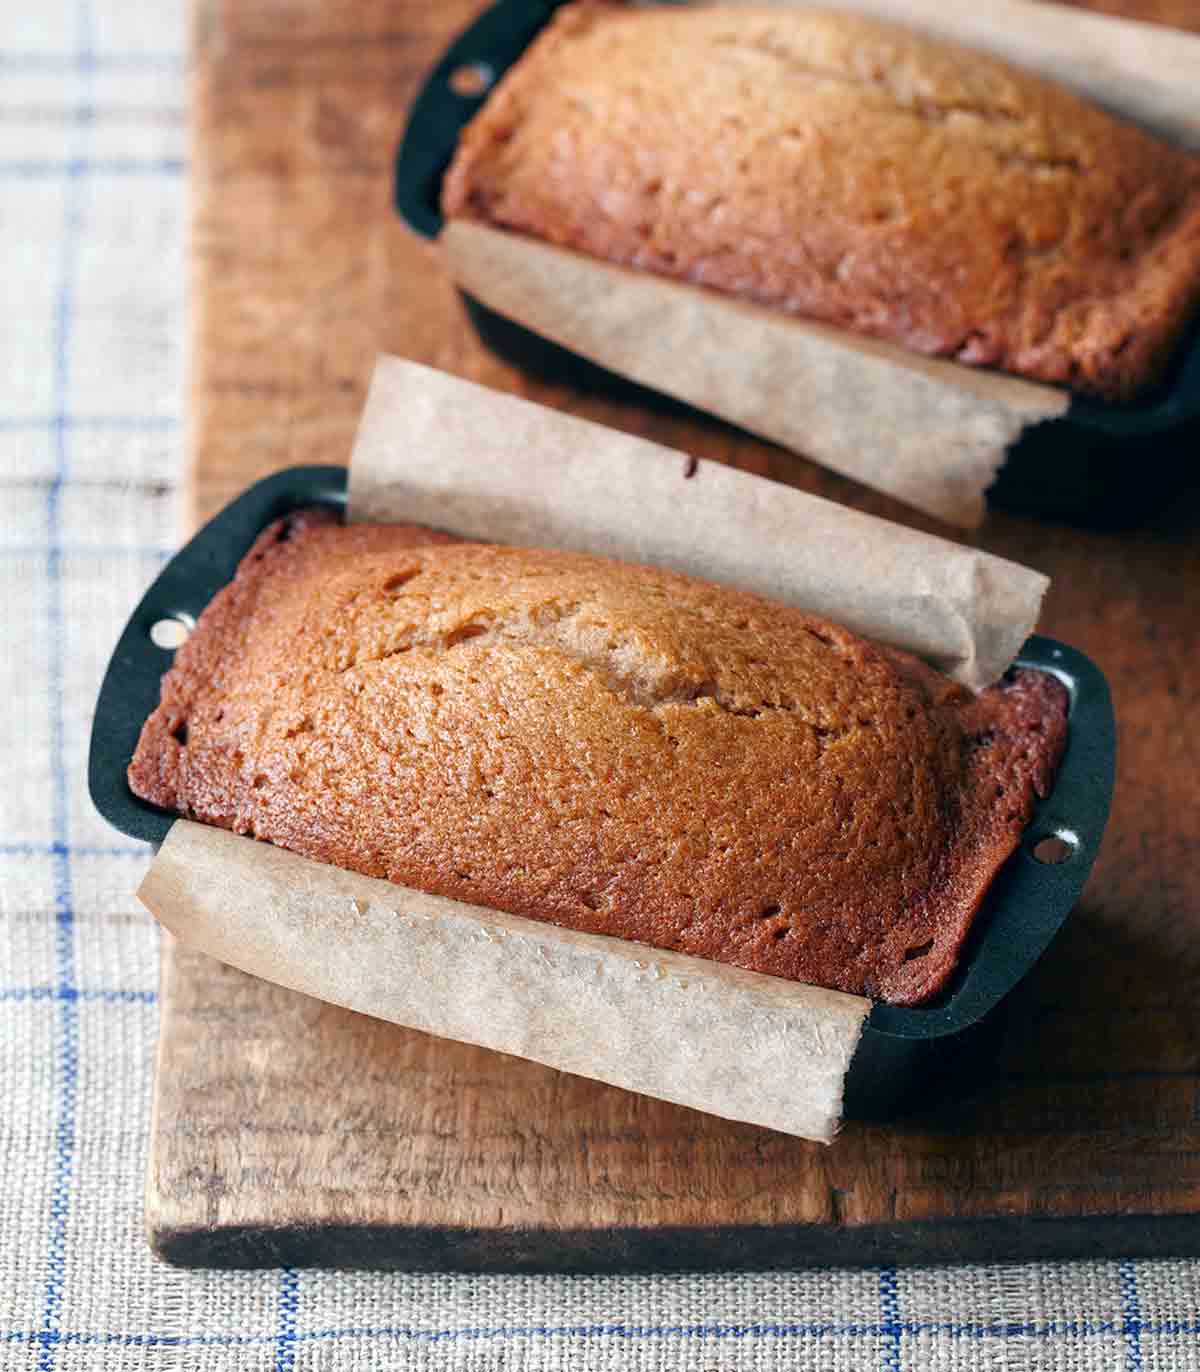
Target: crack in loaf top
618, 749
852, 171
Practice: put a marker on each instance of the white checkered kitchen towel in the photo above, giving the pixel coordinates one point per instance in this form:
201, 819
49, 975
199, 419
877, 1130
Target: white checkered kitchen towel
92, 193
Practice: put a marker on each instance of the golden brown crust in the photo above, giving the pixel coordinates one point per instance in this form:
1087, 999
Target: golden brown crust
848, 170
612, 748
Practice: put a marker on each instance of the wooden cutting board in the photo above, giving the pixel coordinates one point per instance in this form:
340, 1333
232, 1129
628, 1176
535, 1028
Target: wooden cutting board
288, 1130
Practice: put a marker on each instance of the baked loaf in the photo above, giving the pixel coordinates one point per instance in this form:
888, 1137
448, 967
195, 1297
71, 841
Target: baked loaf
612, 748
847, 170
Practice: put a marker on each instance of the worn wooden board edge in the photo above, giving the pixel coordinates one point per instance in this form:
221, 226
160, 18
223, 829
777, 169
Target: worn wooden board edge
1018, 1238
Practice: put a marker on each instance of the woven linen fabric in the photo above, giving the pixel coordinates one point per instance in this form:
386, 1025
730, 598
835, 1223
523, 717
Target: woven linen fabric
92, 251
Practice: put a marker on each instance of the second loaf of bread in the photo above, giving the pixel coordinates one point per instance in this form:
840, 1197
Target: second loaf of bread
852, 171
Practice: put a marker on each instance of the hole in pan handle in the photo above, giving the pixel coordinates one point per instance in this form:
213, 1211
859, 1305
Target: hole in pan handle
172, 631
1053, 849
472, 80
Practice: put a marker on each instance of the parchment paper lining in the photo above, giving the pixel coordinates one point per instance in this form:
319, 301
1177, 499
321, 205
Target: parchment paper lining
438, 450
931, 433
734, 1043
915, 427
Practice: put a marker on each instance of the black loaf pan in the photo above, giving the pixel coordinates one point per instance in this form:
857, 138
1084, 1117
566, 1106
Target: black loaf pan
1100, 465
903, 1052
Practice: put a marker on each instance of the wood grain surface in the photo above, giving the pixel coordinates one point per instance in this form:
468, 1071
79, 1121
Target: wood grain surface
289, 1130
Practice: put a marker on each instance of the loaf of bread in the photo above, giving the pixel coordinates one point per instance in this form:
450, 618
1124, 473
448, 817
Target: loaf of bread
612, 748
847, 170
